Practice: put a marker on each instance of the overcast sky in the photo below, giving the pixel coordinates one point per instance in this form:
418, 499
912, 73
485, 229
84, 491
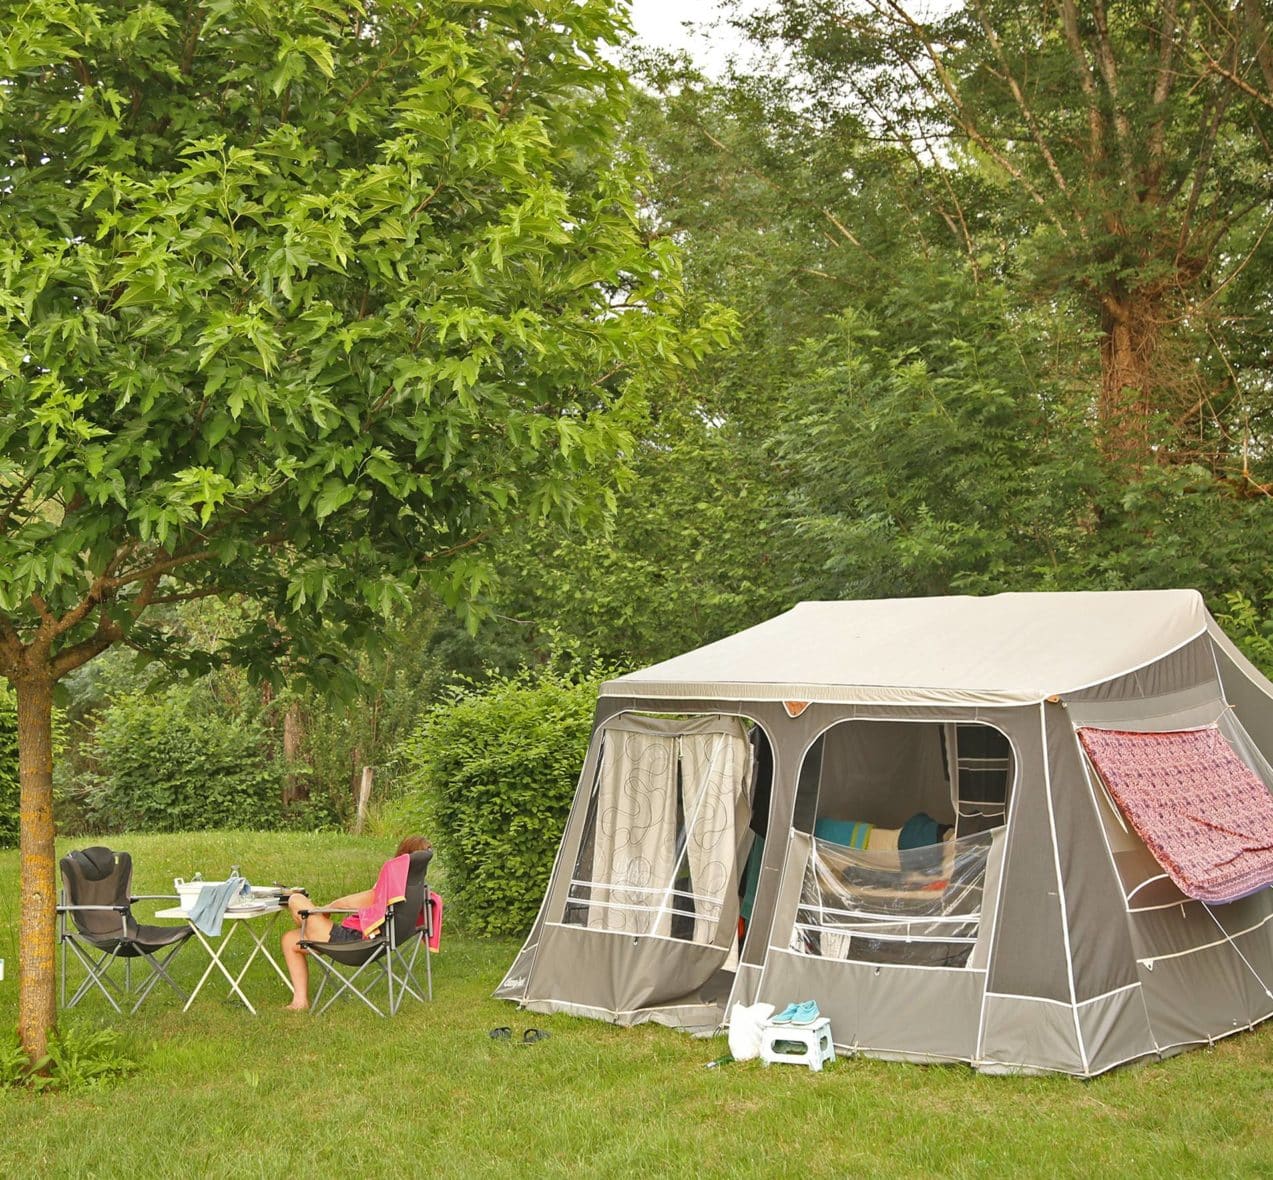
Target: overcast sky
661, 23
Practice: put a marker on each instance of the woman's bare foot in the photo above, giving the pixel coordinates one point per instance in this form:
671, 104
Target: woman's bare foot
294, 1007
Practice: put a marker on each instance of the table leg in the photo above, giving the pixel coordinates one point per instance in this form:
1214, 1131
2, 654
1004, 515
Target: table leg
262, 949
214, 957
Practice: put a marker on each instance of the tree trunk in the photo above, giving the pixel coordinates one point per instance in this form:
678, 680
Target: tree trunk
37, 975
295, 785
1130, 327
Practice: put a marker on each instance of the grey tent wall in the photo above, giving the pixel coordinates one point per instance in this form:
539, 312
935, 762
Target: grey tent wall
1110, 1010
603, 973
1246, 689
1195, 984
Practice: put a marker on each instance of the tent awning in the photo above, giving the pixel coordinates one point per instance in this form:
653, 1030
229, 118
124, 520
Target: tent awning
1203, 813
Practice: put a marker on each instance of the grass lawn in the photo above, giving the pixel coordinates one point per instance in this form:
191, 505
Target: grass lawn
222, 1093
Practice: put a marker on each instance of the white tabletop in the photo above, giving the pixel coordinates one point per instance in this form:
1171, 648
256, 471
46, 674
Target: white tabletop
252, 911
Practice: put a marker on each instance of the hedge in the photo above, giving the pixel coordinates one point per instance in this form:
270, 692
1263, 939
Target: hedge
494, 771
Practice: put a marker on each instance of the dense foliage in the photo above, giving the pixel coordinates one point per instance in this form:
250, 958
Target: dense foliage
166, 764
494, 774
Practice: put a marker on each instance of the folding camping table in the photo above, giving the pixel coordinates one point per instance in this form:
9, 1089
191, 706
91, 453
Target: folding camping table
239, 916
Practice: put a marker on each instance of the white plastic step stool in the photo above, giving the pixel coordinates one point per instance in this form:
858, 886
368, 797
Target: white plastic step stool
815, 1040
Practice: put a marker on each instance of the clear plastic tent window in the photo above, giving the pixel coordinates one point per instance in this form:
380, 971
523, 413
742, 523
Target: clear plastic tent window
919, 907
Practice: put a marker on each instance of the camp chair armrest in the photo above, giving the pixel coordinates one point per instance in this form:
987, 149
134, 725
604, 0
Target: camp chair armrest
323, 910
119, 909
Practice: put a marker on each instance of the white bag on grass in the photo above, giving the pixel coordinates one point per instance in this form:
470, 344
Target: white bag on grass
745, 1023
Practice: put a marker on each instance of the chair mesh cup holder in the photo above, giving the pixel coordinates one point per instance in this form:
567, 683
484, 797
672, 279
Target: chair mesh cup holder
101, 932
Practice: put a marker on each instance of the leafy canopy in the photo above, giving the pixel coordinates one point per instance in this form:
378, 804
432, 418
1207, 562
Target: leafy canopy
304, 300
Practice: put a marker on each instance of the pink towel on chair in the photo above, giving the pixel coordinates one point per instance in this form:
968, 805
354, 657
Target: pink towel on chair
389, 889
1202, 812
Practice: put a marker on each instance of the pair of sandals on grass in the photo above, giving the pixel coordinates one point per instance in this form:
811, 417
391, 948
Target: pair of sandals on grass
529, 1037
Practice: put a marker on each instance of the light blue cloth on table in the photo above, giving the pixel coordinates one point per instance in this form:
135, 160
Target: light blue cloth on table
208, 910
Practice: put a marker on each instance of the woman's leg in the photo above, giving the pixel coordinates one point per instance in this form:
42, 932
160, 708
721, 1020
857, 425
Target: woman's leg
318, 928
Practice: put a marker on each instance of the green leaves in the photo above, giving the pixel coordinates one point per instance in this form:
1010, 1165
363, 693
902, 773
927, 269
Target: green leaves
299, 283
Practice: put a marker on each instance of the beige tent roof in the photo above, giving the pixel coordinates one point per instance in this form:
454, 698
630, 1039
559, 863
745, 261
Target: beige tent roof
1003, 649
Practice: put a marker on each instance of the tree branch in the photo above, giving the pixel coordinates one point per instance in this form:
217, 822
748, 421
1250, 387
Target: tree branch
15, 500
1109, 71
1054, 169
963, 118
1087, 81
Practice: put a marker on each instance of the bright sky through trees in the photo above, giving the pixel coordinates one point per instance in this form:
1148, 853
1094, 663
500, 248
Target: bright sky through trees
661, 24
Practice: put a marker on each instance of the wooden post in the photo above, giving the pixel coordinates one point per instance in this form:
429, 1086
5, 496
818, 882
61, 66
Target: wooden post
364, 796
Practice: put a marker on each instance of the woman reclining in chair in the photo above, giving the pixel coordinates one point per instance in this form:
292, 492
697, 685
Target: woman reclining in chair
320, 928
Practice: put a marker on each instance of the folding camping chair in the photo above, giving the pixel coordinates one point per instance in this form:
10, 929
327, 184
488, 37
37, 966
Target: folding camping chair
408, 924
95, 894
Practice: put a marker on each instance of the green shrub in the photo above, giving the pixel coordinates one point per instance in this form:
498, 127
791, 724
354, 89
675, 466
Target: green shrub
491, 775
8, 767
170, 764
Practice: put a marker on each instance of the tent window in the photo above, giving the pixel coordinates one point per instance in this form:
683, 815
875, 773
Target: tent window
918, 907
668, 814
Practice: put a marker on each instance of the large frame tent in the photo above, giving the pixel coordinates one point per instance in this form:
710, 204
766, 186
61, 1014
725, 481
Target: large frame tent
948, 820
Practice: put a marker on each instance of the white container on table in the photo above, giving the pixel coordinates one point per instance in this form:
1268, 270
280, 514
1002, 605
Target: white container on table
188, 891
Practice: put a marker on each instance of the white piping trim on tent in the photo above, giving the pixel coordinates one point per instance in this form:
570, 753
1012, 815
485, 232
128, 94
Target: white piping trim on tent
1060, 887
608, 887
886, 920
1063, 1003
1166, 905
875, 936
541, 918
1094, 781
1220, 1036
1229, 939
633, 907
1146, 881
563, 1005
1150, 960
1088, 774
1011, 807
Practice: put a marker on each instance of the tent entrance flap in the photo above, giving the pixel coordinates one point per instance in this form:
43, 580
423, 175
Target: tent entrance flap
667, 820
1203, 813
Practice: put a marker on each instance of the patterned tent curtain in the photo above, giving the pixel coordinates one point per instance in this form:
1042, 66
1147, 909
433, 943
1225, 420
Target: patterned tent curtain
635, 845
635, 863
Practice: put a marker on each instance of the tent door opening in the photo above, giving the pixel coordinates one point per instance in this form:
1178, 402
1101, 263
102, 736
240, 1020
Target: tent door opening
665, 837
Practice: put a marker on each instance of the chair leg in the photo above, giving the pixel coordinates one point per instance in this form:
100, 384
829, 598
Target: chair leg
97, 976
158, 971
344, 983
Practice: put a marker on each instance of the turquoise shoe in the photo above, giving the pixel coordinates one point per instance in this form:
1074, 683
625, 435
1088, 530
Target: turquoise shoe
805, 1013
786, 1016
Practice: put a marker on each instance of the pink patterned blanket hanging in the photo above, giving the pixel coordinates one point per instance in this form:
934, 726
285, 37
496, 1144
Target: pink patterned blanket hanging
1202, 812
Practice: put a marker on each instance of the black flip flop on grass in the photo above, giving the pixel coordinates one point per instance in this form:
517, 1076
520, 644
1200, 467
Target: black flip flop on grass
503, 1033
531, 1035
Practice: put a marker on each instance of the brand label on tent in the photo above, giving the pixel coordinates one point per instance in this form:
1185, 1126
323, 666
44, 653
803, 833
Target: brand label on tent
795, 708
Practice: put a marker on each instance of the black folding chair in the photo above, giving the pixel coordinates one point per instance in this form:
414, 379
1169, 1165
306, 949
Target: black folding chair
407, 927
96, 896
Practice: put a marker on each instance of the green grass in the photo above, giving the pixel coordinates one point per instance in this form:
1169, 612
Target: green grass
221, 1093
